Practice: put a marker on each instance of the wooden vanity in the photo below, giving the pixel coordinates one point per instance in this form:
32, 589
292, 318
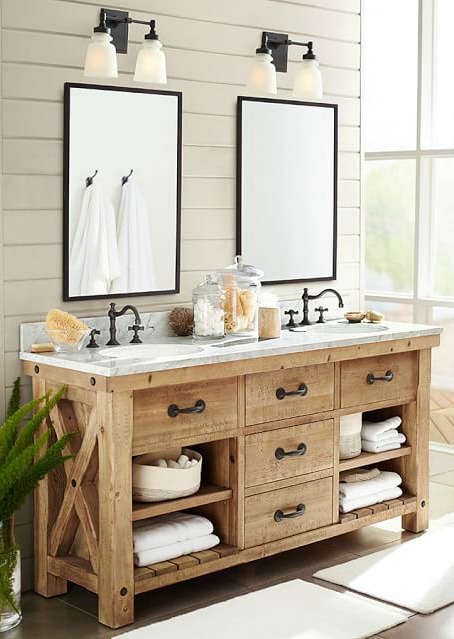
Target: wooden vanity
257, 411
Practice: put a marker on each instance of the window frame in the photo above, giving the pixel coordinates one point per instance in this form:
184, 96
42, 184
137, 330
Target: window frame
421, 298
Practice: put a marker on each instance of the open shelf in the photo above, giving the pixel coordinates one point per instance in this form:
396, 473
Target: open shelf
207, 494
365, 459
369, 511
184, 567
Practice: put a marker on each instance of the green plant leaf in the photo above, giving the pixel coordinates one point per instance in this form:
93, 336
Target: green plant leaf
14, 400
8, 430
17, 465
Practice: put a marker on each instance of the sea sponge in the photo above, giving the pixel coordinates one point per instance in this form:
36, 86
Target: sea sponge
67, 328
181, 321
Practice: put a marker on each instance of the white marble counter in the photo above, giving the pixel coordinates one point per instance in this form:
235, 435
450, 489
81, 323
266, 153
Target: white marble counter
90, 361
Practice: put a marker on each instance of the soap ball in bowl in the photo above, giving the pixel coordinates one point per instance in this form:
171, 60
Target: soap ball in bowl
181, 321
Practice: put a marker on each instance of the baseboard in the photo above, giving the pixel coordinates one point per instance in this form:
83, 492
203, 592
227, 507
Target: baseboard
442, 448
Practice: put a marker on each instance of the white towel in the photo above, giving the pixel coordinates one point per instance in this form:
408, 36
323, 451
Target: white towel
387, 435
382, 446
164, 553
169, 529
374, 430
93, 262
347, 505
134, 243
386, 479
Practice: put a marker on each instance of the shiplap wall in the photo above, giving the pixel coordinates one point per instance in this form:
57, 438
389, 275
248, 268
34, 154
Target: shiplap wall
209, 46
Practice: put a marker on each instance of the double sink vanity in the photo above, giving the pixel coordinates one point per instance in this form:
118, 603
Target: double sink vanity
268, 430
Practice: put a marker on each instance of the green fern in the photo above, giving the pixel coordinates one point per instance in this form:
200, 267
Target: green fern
14, 401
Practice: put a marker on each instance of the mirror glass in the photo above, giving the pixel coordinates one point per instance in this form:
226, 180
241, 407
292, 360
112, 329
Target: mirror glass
122, 191
287, 184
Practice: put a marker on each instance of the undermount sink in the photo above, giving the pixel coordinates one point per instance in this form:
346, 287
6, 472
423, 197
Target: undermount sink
151, 352
348, 328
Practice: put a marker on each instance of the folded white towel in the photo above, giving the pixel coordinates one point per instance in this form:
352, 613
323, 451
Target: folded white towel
387, 444
373, 430
169, 529
386, 479
164, 553
347, 505
388, 434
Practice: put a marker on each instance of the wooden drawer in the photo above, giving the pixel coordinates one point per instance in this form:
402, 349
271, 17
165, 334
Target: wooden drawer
266, 401
153, 423
263, 513
289, 452
359, 386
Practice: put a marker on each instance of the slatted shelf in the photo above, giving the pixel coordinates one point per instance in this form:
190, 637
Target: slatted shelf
390, 505
208, 494
365, 459
184, 567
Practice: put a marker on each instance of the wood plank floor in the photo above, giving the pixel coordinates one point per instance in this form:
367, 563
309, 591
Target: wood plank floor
442, 416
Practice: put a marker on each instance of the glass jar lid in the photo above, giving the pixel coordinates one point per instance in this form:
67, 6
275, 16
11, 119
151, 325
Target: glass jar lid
208, 287
243, 270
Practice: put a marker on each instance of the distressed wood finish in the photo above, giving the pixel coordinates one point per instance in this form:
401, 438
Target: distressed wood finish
402, 388
84, 511
260, 525
152, 423
262, 404
262, 465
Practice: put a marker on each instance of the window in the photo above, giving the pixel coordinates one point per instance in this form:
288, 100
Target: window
409, 166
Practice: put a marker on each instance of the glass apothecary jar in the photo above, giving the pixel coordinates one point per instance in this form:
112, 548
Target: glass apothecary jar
208, 302
241, 284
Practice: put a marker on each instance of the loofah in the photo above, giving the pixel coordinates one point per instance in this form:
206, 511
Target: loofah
69, 328
181, 321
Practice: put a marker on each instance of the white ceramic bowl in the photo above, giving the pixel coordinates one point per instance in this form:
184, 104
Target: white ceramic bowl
151, 483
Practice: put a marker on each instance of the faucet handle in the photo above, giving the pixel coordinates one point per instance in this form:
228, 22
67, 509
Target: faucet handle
92, 343
321, 310
291, 312
136, 328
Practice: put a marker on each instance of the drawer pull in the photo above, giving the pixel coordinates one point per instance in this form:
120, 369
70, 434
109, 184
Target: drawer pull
174, 410
300, 510
281, 393
280, 453
387, 377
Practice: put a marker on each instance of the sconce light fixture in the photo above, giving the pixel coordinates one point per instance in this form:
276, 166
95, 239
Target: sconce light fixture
111, 37
272, 56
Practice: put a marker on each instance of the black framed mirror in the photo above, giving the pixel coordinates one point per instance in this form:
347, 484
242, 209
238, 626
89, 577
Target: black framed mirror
287, 188
122, 191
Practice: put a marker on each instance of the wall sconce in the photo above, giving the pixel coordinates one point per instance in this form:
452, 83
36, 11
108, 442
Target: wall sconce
111, 37
272, 56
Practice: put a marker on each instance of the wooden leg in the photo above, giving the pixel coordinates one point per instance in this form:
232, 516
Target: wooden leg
46, 510
116, 568
416, 419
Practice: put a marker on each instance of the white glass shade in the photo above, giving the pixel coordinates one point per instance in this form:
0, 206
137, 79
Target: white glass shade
308, 80
151, 63
262, 76
101, 59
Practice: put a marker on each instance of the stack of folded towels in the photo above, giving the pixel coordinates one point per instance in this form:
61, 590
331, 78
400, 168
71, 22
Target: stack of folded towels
170, 536
363, 487
376, 437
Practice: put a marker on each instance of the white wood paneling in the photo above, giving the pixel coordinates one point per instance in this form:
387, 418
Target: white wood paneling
209, 47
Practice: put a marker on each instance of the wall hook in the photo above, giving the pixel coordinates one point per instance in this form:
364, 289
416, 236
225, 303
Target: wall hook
89, 180
125, 178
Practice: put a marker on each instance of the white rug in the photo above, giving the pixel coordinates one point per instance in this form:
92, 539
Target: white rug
418, 575
292, 610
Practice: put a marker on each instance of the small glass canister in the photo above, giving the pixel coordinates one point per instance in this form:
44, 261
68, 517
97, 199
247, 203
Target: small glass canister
241, 284
208, 302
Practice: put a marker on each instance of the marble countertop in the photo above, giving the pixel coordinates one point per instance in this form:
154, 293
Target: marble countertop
90, 361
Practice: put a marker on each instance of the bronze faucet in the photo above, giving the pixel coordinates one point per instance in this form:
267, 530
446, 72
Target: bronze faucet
136, 327
306, 297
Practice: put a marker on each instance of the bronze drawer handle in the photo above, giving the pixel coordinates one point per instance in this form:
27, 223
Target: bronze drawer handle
280, 453
174, 410
300, 510
387, 377
281, 393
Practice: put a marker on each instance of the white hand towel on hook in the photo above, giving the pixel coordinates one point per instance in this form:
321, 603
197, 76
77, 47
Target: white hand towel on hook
94, 252
134, 243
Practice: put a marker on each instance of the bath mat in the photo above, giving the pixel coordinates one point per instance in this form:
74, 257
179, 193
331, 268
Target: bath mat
418, 574
292, 610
